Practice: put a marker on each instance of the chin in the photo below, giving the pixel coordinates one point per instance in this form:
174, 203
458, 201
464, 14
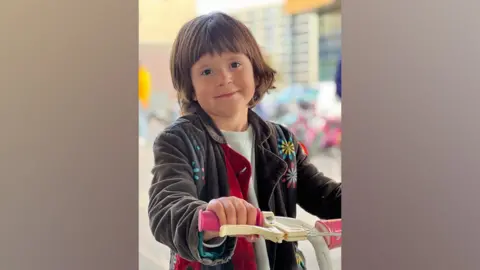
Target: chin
231, 111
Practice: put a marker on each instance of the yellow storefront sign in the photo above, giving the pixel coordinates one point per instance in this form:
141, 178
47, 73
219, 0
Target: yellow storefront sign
300, 6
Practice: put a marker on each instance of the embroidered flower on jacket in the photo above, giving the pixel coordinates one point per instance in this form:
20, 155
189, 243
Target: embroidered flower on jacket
291, 176
286, 148
300, 259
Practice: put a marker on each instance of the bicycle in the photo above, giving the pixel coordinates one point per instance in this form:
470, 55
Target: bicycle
316, 132
324, 236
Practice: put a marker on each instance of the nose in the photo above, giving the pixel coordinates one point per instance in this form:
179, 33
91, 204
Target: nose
225, 77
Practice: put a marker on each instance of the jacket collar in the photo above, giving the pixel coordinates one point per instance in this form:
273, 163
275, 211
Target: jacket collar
261, 129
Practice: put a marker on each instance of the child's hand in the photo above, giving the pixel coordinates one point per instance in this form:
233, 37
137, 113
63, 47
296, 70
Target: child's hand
232, 211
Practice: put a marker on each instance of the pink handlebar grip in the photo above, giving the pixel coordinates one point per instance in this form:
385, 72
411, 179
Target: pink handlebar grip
331, 226
208, 221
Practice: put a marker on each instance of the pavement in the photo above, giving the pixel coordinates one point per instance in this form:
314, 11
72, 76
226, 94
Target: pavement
155, 256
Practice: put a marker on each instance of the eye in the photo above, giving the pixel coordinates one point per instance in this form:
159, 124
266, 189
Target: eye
206, 72
235, 64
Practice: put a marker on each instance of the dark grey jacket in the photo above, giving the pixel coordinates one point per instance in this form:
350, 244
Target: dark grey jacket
191, 168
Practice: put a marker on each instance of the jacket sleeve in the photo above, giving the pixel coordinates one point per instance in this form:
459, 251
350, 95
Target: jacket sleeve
174, 206
316, 193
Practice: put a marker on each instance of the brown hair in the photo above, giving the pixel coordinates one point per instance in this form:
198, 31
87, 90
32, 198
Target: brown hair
215, 33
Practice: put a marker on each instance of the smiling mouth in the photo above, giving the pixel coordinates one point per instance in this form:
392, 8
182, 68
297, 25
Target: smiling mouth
226, 95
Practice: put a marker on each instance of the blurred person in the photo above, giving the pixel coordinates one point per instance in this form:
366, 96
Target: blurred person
144, 92
221, 156
338, 79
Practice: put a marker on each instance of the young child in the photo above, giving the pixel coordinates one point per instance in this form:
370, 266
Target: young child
222, 157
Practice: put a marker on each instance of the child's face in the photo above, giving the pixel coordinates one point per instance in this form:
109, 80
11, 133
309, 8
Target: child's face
224, 84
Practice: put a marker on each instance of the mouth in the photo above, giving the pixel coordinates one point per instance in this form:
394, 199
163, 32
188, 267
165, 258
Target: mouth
226, 95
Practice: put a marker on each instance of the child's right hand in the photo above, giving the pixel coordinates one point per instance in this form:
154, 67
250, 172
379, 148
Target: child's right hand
231, 211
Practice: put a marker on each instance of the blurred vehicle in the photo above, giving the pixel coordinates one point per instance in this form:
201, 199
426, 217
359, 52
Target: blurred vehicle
318, 133
164, 116
164, 108
297, 107
333, 132
282, 103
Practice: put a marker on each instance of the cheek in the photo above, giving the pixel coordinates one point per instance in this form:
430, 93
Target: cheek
202, 89
200, 92
248, 82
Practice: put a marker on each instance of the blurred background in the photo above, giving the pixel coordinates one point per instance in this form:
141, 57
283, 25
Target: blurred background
301, 39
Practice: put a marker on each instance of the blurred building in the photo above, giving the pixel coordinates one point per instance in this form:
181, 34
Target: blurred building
160, 20
159, 23
290, 41
328, 16
302, 37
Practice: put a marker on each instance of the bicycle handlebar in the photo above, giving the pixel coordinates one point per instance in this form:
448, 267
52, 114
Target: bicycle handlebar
208, 221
